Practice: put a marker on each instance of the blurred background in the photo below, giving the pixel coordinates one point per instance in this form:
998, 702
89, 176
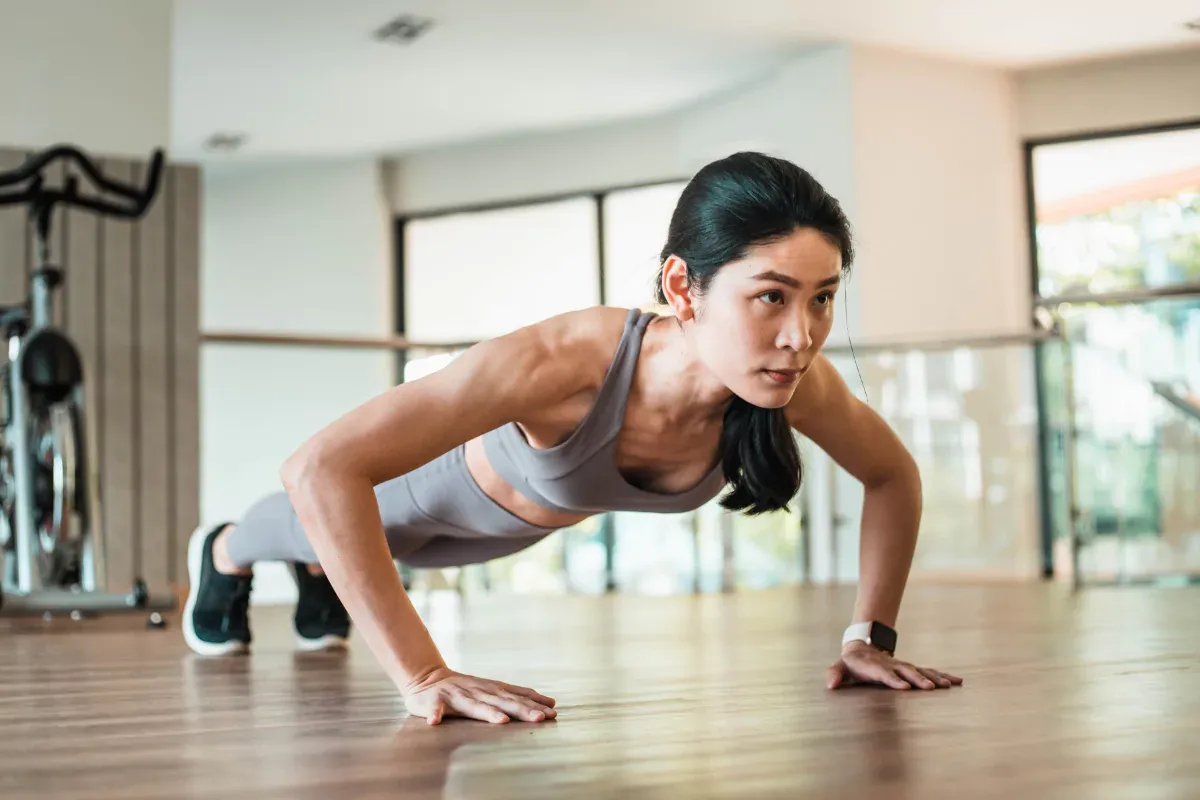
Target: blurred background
1023, 178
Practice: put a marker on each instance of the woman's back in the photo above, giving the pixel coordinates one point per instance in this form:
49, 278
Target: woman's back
617, 454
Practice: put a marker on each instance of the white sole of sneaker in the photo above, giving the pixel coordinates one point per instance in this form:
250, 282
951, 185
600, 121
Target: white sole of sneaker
195, 560
329, 641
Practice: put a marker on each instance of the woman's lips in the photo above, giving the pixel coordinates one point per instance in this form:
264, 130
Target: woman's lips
783, 376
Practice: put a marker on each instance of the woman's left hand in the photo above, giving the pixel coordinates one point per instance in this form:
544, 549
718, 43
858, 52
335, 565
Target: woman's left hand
861, 663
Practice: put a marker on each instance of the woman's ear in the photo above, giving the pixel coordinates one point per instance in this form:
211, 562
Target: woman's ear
675, 288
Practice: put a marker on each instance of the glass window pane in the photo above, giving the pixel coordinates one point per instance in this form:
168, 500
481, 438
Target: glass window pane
766, 548
635, 229
1118, 213
654, 553
476, 275
969, 418
1136, 376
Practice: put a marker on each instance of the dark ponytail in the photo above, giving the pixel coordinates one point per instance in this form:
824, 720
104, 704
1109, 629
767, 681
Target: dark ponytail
728, 206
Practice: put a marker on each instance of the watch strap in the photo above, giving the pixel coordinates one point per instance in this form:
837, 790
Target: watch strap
873, 633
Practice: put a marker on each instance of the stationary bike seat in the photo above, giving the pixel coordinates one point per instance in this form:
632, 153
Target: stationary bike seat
51, 363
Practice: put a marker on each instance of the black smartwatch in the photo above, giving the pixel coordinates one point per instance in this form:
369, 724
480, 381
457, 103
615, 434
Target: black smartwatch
875, 634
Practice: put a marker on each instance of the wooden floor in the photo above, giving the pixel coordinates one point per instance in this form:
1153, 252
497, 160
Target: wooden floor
1095, 696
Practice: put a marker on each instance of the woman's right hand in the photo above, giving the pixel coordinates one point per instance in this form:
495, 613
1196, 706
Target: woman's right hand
445, 693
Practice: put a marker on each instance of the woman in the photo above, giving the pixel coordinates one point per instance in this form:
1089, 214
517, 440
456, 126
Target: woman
589, 411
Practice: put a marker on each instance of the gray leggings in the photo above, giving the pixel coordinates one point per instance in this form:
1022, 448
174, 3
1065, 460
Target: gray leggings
434, 516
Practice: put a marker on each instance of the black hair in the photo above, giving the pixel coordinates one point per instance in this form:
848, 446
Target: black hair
728, 206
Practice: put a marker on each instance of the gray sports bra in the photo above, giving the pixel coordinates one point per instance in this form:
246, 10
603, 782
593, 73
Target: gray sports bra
579, 475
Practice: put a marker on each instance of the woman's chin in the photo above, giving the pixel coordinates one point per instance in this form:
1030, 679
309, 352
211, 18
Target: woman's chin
766, 393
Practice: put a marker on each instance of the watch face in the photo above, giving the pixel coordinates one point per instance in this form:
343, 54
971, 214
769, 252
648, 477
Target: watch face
883, 637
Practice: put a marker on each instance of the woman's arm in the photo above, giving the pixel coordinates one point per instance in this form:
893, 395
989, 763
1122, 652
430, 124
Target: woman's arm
861, 442
824, 410
330, 480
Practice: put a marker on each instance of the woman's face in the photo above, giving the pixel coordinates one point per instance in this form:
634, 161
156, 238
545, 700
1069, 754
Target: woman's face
764, 318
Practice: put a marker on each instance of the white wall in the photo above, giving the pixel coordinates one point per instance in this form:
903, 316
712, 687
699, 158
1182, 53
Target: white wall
938, 180
93, 74
299, 248
1115, 93
802, 113
316, 237
534, 166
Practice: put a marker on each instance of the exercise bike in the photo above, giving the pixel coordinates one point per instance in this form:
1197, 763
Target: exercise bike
51, 539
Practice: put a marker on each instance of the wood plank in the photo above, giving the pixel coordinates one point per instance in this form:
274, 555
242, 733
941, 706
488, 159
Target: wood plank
716, 696
119, 397
186, 210
153, 379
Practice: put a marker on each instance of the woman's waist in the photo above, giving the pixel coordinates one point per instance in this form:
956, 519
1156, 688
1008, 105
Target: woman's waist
504, 494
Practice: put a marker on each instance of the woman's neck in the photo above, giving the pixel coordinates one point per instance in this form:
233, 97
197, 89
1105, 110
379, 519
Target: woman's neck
675, 380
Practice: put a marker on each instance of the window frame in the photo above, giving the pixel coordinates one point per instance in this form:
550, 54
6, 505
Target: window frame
597, 195
1029, 146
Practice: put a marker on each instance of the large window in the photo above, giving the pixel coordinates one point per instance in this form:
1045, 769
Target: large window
477, 273
1117, 224
1118, 213
635, 229
481, 274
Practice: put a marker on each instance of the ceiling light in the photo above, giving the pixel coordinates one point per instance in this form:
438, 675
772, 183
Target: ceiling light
227, 142
404, 29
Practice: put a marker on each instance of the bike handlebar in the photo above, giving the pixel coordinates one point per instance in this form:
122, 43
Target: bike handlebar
139, 198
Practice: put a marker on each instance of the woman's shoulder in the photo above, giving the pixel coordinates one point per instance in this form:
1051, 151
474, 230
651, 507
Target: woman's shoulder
590, 335
577, 345
534, 367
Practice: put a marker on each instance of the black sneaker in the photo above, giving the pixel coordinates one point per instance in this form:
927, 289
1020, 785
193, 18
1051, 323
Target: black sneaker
215, 619
320, 621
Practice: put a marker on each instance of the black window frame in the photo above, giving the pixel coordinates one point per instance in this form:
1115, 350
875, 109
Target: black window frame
1029, 145
597, 195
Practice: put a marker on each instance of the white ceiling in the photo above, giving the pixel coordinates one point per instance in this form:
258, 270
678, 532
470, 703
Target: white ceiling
305, 78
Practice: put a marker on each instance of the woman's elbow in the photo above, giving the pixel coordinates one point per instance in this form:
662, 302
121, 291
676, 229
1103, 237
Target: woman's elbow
303, 466
907, 467
900, 470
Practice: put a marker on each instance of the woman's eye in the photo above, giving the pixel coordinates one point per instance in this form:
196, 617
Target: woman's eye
824, 299
772, 297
